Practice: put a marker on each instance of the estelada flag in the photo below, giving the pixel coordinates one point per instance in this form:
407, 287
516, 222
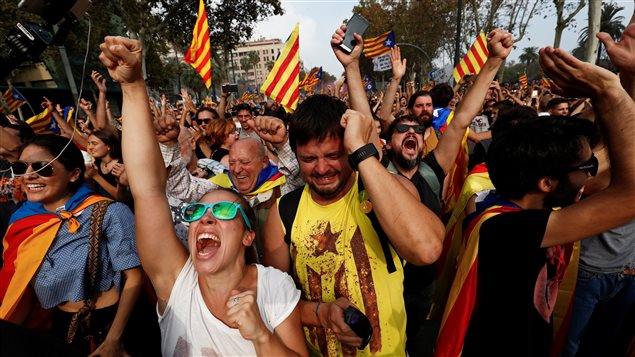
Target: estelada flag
377, 46
473, 60
14, 99
43, 123
282, 83
199, 55
311, 79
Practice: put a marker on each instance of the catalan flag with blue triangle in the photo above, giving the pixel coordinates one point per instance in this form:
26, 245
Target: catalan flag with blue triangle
369, 83
43, 123
311, 79
14, 99
377, 46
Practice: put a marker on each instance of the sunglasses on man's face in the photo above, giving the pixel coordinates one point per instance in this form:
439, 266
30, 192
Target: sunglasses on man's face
42, 168
590, 166
204, 121
402, 128
221, 210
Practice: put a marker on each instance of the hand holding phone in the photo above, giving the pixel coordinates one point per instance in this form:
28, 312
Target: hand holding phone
356, 25
359, 323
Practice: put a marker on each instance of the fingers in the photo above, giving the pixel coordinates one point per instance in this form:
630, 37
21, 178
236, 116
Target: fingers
606, 40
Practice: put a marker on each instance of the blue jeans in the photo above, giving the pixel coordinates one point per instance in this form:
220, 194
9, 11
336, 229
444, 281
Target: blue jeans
600, 306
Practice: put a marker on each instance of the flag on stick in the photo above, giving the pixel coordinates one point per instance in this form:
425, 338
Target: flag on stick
473, 60
523, 80
43, 123
377, 46
311, 79
199, 55
282, 83
14, 99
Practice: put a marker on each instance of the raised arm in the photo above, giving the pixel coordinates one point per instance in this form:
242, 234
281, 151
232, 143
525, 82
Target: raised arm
622, 54
162, 255
414, 230
101, 119
356, 92
398, 71
615, 205
499, 45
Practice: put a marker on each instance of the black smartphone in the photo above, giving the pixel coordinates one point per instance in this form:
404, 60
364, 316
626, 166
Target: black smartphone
359, 323
357, 24
230, 88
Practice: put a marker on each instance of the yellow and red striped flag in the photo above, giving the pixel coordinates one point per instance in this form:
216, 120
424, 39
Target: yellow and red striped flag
43, 123
14, 99
473, 60
282, 83
377, 46
199, 55
545, 82
523, 80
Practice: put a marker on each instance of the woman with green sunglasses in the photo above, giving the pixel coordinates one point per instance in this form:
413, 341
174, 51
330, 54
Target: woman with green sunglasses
210, 301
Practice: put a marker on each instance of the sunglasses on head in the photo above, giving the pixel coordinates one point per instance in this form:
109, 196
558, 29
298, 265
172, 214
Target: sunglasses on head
42, 168
221, 210
591, 166
402, 128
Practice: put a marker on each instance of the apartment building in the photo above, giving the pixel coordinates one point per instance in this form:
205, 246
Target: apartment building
267, 51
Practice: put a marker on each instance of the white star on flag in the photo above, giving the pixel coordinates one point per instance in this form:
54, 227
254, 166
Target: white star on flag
387, 43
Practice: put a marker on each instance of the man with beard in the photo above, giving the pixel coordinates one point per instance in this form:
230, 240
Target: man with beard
405, 146
523, 242
351, 225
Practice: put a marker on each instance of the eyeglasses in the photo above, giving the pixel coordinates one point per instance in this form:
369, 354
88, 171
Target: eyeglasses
42, 168
221, 210
402, 128
591, 166
204, 121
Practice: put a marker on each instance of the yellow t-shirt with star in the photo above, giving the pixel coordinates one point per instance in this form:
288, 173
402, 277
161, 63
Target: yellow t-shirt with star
336, 253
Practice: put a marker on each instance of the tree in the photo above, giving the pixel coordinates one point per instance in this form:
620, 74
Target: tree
565, 12
592, 29
249, 62
529, 55
610, 23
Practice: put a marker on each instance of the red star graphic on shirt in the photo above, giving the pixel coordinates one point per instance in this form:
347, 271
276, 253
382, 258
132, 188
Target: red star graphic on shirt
326, 241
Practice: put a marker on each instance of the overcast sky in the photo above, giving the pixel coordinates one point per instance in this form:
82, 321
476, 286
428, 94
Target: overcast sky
319, 18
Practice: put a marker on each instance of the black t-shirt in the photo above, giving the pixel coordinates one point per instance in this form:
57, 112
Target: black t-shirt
219, 153
515, 298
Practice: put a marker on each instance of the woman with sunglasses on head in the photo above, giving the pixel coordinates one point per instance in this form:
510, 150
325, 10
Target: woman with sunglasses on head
49, 247
210, 302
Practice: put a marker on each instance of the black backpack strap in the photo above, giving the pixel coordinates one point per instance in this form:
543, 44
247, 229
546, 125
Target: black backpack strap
287, 208
383, 238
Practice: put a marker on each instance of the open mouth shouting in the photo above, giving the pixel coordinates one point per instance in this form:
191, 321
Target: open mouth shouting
207, 244
410, 146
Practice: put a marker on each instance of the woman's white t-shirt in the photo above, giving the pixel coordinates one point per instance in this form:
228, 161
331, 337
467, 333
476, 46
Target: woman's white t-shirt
188, 328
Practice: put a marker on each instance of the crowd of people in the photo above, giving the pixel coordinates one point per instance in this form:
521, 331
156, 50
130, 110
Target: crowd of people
435, 221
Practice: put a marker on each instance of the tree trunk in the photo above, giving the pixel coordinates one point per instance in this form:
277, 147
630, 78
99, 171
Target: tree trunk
595, 11
558, 37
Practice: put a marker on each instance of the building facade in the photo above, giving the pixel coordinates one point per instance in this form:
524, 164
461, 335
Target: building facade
266, 51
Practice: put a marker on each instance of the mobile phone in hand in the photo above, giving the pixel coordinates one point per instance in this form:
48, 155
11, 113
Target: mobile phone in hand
229, 88
359, 323
357, 24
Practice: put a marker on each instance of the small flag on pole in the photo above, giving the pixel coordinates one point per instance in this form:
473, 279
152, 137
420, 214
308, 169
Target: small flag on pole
43, 123
14, 99
545, 82
523, 80
377, 46
282, 82
311, 79
473, 60
199, 55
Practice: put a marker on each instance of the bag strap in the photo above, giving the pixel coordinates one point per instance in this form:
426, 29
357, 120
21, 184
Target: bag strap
92, 266
288, 208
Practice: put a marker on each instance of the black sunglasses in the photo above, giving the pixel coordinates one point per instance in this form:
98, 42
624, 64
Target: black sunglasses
204, 121
402, 128
591, 166
42, 168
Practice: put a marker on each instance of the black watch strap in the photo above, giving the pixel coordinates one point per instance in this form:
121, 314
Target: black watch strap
362, 154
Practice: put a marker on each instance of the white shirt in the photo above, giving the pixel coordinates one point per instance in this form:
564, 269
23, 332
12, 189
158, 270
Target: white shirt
188, 328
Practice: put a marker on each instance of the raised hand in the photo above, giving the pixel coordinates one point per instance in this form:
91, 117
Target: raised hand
122, 57
398, 64
622, 53
99, 80
499, 44
46, 104
85, 105
166, 127
358, 129
572, 77
270, 129
346, 59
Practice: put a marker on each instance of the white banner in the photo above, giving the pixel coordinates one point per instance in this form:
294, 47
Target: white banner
382, 63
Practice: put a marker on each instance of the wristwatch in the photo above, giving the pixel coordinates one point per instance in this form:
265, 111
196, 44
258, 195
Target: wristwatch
362, 154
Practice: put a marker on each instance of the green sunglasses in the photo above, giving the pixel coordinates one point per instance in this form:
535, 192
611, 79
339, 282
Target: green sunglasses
221, 210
